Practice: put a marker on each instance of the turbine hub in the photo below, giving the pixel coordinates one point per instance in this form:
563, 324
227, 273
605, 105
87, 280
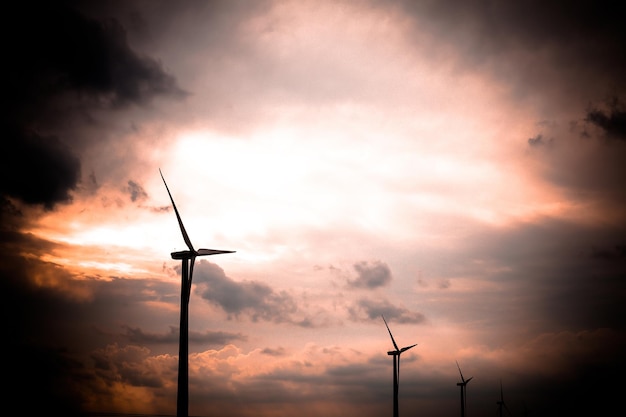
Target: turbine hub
183, 254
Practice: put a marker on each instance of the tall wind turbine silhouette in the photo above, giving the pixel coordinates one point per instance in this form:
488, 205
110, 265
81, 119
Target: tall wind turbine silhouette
501, 403
463, 385
188, 258
396, 367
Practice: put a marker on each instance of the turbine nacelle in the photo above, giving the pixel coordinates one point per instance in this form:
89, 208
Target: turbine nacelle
404, 349
465, 381
187, 254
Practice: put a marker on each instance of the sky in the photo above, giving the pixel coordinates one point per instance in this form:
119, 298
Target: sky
457, 167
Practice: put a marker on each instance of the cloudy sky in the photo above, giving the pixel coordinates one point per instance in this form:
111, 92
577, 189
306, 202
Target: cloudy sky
458, 167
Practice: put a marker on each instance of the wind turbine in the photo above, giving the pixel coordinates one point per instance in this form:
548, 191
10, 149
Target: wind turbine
182, 399
501, 403
463, 385
396, 367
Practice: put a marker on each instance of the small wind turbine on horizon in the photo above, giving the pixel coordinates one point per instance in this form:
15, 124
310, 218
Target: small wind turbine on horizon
396, 367
188, 258
501, 403
463, 385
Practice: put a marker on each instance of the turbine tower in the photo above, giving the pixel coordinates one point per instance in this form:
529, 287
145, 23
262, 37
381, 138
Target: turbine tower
463, 385
188, 258
501, 403
396, 367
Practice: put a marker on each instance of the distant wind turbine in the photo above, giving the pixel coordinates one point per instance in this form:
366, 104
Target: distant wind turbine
396, 367
182, 399
501, 403
463, 385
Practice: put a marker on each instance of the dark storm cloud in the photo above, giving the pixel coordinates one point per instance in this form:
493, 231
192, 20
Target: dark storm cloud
274, 351
136, 191
136, 335
42, 364
567, 48
62, 319
539, 140
586, 158
37, 169
371, 275
366, 309
59, 66
128, 365
255, 299
62, 51
554, 274
611, 120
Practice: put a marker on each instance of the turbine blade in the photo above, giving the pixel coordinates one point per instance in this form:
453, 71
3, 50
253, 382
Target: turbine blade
404, 349
392, 339
457, 365
470, 378
203, 252
180, 222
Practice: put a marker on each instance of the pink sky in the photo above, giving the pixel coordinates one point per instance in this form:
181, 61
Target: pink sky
456, 167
